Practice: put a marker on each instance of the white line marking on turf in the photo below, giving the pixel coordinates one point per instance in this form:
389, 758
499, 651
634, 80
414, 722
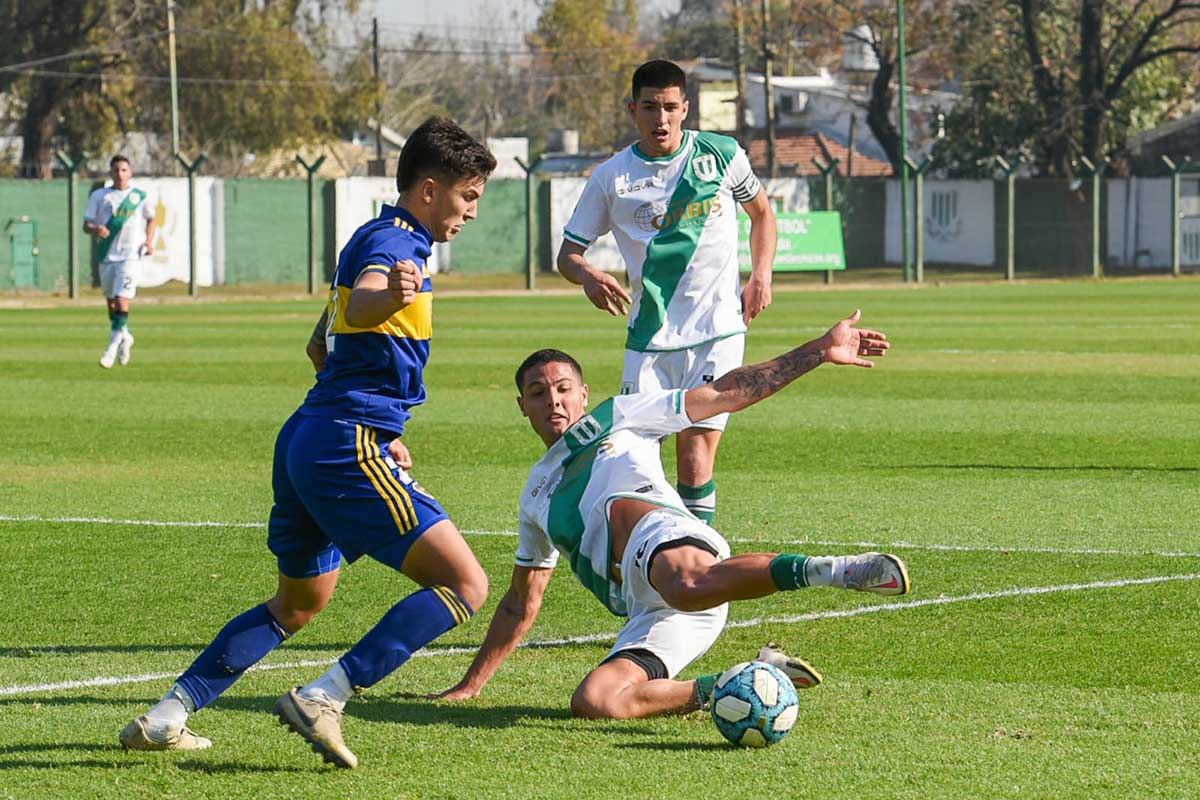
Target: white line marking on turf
596, 638
900, 544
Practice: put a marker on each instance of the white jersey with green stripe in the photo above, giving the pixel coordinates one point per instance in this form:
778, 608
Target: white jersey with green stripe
675, 222
612, 452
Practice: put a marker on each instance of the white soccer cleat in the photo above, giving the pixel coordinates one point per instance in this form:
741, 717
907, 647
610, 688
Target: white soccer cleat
125, 348
803, 674
320, 723
109, 357
138, 735
877, 573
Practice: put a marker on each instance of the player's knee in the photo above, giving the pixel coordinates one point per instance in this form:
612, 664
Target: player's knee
294, 613
473, 588
588, 704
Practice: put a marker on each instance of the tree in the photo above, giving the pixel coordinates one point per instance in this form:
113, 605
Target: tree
53, 91
591, 48
254, 75
1054, 80
873, 24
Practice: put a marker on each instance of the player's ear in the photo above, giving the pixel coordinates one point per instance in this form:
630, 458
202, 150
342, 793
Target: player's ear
584, 392
521, 405
684, 107
632, 106
428, 190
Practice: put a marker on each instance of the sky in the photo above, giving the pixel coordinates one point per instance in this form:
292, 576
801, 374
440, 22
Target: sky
477, 21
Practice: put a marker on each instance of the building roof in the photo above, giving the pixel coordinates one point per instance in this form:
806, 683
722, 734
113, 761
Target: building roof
795, 151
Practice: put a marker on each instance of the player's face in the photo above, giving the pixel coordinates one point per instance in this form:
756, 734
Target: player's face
553, 399
121, 174
659, 114
450, 206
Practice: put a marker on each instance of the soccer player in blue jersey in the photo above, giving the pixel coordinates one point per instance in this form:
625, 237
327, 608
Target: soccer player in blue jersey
599, 496
341, 489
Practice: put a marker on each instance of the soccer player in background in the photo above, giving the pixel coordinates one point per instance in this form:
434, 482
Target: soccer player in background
340, 485
121, 220
600, 497
669, 201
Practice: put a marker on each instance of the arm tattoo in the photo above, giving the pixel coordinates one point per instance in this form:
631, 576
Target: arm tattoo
753, 382
318, 335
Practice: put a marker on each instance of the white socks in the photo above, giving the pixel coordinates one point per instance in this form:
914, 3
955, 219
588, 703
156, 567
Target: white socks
824, 570
170, 713
333, 686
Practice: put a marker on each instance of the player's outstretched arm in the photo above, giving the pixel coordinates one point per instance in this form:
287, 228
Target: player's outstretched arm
842, 344
513, 619
376, 295
605, 291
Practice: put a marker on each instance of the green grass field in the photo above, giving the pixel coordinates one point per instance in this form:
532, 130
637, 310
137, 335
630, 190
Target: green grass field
1032, 451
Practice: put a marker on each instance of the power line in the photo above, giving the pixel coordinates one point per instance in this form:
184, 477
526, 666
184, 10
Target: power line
116, 47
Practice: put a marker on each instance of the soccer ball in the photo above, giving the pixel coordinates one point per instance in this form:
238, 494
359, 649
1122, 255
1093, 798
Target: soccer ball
754, 704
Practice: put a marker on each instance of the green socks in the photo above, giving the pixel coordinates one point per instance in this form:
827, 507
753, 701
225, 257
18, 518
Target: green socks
794, 571
705, 684
700, 500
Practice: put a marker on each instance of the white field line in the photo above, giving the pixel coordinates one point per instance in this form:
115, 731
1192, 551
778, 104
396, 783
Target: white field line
597, 638
899, 544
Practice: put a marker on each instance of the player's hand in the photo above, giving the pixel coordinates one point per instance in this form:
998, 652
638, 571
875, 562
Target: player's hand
147, 249
755, 299
400, 454
101, 231
404, 281
606, 292
456, 693
846, 344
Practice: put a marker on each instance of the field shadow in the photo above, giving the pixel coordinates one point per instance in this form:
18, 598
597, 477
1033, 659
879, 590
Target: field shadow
122, 759
677, 746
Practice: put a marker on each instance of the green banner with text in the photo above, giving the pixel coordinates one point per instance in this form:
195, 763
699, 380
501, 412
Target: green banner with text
807, 242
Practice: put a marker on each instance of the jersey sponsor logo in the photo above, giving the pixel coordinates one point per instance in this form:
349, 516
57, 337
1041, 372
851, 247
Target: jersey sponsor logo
541, 485
652, 217
705, 167
627, 388
623, 185
706, 378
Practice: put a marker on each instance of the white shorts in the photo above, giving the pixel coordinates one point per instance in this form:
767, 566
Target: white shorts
684, 369
677, 637
120, 278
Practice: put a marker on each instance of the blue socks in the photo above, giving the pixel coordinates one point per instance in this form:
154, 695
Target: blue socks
241, 644
410, 625
246, 639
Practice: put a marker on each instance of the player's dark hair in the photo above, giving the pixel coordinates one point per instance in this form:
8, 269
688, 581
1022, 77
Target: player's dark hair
440, 147
658, 74
112, 162
547, 356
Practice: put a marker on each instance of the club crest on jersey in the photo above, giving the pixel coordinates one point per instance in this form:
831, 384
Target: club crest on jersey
705, 167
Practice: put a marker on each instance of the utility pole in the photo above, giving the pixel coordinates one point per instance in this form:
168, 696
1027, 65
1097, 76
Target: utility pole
905, 230
174, 81
772, 169
740, 71
378, 100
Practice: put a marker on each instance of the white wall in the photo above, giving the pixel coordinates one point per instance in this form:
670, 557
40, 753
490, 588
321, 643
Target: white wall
959, 222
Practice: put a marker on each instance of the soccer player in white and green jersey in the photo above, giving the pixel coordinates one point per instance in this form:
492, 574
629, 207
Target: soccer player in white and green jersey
599, 496
122, 220
669, 200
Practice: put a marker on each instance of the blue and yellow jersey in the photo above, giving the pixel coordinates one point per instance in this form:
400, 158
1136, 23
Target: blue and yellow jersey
373, 376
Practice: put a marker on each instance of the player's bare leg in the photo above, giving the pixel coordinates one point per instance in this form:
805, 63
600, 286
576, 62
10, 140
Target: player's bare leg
442, 562
696, 455
620, 689
242, 643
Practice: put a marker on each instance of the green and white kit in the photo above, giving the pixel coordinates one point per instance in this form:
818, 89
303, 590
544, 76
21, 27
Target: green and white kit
613, 452
675, 222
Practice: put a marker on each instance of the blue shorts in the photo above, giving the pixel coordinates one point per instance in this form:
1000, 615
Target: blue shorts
339, 494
